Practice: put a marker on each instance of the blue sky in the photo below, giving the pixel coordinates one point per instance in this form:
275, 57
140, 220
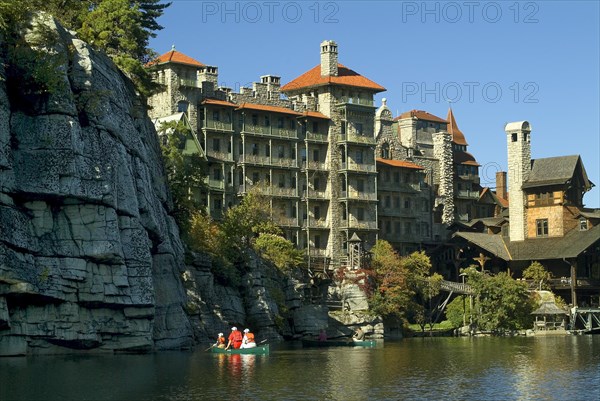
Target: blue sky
497, 61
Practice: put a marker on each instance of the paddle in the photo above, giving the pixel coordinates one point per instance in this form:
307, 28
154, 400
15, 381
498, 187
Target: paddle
209, 347
263, 341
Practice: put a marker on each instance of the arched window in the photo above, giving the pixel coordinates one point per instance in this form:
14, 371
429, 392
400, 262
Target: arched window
385, 151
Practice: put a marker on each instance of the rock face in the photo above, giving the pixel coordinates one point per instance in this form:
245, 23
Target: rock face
89, 256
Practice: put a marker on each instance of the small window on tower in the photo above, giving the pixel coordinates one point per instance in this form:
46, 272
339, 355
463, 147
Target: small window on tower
513, 137
583, 224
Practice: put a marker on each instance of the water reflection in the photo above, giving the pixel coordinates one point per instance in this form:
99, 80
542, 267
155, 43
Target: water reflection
559, 368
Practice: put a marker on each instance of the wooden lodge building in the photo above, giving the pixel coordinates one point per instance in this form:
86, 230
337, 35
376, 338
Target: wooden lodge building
546, 222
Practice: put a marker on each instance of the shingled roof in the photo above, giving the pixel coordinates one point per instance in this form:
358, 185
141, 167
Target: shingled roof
569, 246
173, 56
346, 77
457, 135
554, 171
420, 115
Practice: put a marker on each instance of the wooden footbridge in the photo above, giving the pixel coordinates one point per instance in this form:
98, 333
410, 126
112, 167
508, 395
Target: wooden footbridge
585, 320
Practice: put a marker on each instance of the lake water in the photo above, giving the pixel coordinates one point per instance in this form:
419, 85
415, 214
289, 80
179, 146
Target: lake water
522, 368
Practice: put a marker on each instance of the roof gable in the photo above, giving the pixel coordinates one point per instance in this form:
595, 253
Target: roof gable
346, 77
420, 115
556, 171
457, 136
173, 56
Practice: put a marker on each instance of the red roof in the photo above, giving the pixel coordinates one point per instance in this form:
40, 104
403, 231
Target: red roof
461, 157
217, 102
346, 76
262, 107
315, 114
457, 136
399, 163
173, 56
420, 115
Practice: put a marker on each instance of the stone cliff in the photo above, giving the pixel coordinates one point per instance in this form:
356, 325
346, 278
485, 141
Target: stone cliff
89, 256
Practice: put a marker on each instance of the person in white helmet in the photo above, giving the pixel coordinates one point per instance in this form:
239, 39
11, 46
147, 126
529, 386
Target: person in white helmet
248, 340
220, 341
235, 338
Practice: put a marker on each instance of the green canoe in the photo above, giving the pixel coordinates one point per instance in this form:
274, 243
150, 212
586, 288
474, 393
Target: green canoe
306, 342
258, 350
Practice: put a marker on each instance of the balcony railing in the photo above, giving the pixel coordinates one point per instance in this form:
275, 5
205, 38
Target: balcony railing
467, 194
359, 225
363, 196
398, 187
398, 212
316, 136
362, 167
190, 83
269, 131
217, 154
312, 193
217, 125
313, 165
283, 162
314, 223
355, 138
357, 100
216, 184
287, 221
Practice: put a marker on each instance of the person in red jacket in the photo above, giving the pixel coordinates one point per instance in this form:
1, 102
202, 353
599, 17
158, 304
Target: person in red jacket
235, 338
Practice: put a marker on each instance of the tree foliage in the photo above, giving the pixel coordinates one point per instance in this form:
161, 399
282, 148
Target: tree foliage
121, 28
501, 303
281, 252
185, 173
458, 310
540, 276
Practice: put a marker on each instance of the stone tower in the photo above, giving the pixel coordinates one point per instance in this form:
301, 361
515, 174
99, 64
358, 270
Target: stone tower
519, 166
329, 58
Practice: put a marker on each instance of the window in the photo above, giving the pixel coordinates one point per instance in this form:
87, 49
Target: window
316, 155
216, 115
388, 201
268, 178
182, 107
267, 150
360, 213
407, 228
360, 185
217, 174
541, 227
218, 204
294, 212
281, 151
280, 122
292, 124
255, 149
293, 182
317, 184
315, 127
267, 121
359, 156
388, 227
303, 154
216, 144
583, 224
281, 183
317, 212
387, 175
255, 178
397, 228
397, 177
229, 146
229, 177
407, 203
513, 137
359, 128
385, 151
317, 241
397, 202
254, 119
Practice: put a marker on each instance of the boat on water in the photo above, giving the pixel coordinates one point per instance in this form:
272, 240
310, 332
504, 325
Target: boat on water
307, 342
258, 350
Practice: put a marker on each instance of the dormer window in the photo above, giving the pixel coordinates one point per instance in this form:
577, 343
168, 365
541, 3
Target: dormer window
583, 224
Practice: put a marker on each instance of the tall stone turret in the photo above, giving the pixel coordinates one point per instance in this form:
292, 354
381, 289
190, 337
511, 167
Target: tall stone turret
442, 150
329, 58
519, 167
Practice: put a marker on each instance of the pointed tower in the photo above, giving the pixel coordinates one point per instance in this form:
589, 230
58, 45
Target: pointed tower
519, 167
457, 136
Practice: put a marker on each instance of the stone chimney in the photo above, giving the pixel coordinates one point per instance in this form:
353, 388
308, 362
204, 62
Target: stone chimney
519, 167
501, 184
329, 58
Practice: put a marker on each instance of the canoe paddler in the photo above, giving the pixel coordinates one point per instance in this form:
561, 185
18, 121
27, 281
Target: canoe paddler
235, 338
